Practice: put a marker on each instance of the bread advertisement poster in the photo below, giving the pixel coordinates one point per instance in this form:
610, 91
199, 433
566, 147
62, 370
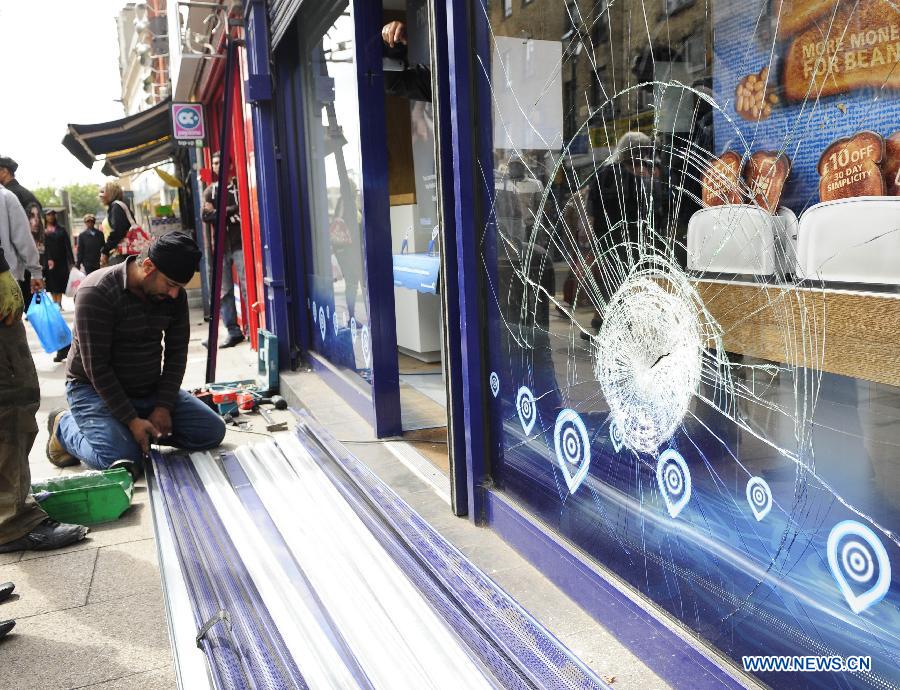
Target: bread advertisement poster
819, 82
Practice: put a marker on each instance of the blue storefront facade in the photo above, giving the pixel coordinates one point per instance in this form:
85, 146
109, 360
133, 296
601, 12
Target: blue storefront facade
667, 295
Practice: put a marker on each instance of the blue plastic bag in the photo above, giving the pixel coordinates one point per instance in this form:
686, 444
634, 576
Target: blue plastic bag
44, 316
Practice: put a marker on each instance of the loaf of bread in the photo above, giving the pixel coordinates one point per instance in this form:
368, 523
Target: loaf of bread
890, 167
793, 16
858, 49
722, 180
766, 173
850, 167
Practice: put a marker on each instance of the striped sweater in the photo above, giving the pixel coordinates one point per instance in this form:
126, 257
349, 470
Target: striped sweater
126, 347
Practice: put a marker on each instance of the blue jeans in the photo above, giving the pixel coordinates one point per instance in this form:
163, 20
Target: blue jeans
228, 308
90, 433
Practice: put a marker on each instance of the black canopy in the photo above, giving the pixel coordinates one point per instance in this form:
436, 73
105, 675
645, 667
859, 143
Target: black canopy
133, 142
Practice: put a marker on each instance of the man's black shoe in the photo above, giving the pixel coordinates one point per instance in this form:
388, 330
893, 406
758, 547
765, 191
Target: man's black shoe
135, 469
5, 590
50, 534
5, 627
232, 340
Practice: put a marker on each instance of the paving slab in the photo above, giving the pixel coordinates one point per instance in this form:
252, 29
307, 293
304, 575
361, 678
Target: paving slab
56, 582
86, 645
123, 570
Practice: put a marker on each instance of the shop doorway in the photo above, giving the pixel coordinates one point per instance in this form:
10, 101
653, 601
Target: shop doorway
415, 226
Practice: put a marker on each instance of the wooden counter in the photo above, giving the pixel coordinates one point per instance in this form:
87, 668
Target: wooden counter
851, 333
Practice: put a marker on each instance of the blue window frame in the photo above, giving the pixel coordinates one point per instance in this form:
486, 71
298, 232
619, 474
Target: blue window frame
336, 177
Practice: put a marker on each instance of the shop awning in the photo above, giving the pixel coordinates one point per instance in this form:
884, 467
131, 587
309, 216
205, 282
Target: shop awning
133, 142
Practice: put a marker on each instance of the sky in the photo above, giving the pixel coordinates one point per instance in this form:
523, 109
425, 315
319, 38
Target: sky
66, 54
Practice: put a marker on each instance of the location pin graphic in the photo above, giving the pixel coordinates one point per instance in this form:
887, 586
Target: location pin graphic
366, 344
495, 383
615, 435
674, 479
859, 563
759, 496
573, 448
527, 409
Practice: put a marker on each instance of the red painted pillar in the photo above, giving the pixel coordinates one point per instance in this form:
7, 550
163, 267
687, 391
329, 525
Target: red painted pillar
250, 310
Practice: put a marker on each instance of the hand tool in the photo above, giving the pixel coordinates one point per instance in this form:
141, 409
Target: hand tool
271, 424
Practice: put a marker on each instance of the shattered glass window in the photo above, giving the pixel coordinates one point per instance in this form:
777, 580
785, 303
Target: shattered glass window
691, 262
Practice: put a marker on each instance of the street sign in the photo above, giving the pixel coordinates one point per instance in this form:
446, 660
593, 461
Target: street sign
187, 122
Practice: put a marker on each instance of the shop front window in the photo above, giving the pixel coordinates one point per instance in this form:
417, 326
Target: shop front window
691, 262
338, 293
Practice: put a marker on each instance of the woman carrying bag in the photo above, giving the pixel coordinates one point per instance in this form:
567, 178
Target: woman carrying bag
58, 259
126, 238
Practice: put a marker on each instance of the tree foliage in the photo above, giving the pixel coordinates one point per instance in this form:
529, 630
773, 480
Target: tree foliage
83, 197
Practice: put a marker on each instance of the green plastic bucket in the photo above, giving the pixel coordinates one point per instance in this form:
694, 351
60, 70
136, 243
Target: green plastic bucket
86, 498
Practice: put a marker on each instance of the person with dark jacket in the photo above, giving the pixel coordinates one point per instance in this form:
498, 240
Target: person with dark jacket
58, 260
90, 242
33, 210
23, 524
58, 256
112, 196
233, 254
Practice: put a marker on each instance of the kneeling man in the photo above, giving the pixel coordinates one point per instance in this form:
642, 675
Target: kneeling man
124, 372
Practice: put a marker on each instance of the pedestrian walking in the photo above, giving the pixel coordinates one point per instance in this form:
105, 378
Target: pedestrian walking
90, 243
117, 223
58, 257
233, 254
33, 210
58, 260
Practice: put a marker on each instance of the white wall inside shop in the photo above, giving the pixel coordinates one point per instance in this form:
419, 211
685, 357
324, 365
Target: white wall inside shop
418, 314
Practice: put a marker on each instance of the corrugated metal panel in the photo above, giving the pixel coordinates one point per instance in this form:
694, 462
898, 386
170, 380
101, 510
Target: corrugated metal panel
281, 14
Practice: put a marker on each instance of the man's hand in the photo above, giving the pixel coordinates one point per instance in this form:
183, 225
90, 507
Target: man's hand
50, 264
104, 259
11, 302
143, 432
162, 420
37, 284
394, 33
